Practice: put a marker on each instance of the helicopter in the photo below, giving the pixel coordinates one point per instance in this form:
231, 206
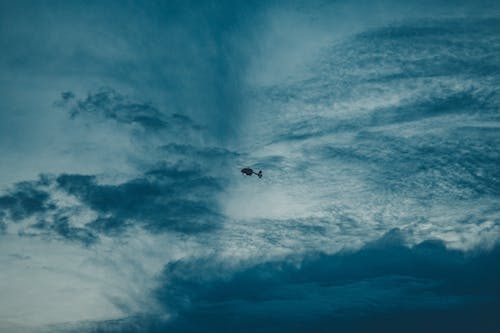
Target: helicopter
249, 172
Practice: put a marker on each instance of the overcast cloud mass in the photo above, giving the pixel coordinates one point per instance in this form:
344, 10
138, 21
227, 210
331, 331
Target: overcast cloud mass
124, 126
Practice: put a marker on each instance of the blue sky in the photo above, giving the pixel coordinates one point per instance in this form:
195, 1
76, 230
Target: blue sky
123, 127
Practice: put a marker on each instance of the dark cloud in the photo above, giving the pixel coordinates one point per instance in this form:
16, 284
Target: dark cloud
108, 103
33, 199
166, 198
24, 200
62, 226
66, 98
383, 280
178, 198
383, 286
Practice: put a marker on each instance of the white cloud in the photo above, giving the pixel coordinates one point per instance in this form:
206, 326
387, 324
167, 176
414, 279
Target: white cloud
46, 282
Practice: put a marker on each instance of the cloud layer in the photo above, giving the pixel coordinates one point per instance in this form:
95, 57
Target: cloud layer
123, 128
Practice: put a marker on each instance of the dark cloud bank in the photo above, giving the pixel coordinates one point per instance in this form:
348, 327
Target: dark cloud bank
385, 286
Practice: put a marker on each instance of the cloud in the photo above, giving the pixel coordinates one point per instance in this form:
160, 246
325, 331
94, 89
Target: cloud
107, 103
63, 282
321, 291
179, 193
384, 284
174, 189
390, 76
364, 117
390, 126
167, 198
61, 225
25, 200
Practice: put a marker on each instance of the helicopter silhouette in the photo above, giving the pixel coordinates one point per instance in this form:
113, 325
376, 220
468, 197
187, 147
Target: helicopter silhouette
249, 172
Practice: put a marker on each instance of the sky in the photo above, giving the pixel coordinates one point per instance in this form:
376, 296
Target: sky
124, 126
